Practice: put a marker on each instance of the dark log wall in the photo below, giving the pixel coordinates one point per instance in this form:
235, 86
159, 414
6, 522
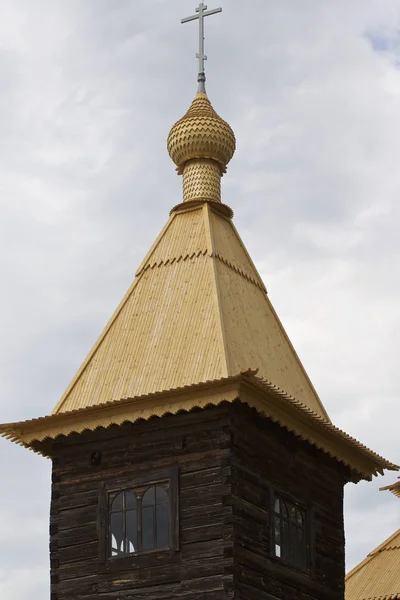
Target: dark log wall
229, 461
265, 458
198, 443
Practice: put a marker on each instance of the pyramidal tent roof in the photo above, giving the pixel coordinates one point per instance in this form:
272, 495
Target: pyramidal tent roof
196, 311
377, 577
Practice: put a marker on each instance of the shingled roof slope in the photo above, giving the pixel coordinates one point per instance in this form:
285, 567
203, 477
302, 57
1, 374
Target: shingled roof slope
196, 311
377, 577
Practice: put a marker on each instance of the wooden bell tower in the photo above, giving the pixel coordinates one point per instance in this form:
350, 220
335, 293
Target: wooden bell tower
192, 457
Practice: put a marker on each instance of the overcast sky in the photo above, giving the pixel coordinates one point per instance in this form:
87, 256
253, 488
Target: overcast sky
89, 91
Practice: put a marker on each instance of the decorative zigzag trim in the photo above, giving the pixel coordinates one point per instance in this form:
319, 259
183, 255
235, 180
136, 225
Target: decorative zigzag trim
171, 261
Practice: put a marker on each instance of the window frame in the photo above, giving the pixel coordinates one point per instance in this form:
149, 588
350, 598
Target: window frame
308, 514
111, 488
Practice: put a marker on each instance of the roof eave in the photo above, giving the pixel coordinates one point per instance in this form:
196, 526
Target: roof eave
263, 396
394, 488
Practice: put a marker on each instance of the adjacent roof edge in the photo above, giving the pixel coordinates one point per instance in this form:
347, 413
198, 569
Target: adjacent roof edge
394, 488
246, 387
371, 555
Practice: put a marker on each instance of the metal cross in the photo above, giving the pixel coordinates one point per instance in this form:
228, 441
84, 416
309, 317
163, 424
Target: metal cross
202, 12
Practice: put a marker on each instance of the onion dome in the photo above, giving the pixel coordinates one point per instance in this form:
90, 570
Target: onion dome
201, 133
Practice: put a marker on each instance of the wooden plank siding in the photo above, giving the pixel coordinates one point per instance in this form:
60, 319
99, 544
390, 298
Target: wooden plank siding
198, 444
266, 458
229, 460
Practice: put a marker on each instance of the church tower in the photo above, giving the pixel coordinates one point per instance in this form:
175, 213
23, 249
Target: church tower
192, 457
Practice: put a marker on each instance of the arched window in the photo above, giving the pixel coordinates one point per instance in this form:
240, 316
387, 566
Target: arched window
289, 533
139, 520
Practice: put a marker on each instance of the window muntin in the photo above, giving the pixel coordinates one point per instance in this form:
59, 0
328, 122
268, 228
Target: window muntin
290, 533
139, 520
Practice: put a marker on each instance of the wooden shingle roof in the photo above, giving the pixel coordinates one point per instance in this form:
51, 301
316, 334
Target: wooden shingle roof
377, 577
247, 387
196, 311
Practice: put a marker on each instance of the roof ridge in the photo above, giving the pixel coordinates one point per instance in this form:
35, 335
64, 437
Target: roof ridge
226, 262
239, 239
257, 280
210, 235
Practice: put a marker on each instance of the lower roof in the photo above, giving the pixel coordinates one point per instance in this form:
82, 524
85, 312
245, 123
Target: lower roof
377, 577
266, 398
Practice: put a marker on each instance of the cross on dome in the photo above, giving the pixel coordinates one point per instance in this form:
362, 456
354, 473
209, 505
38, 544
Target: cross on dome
202, 12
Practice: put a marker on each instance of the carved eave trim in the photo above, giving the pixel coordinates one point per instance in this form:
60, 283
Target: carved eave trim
245, 387
271, 402
30, 433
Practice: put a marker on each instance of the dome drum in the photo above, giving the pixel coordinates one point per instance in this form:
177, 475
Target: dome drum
202, 180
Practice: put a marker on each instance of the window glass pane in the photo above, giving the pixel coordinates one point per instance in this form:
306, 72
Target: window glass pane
162, 525
284, 510
285, 541
277, 550
277, 506
277, 531
299, 518
302, 550
117, 503
293, 513
149, 497
131, 531
148, 528
161, 494
130, 500
117, 533
301, 536
298, 551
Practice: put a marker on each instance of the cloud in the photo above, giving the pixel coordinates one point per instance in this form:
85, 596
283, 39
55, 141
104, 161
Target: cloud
89, 93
